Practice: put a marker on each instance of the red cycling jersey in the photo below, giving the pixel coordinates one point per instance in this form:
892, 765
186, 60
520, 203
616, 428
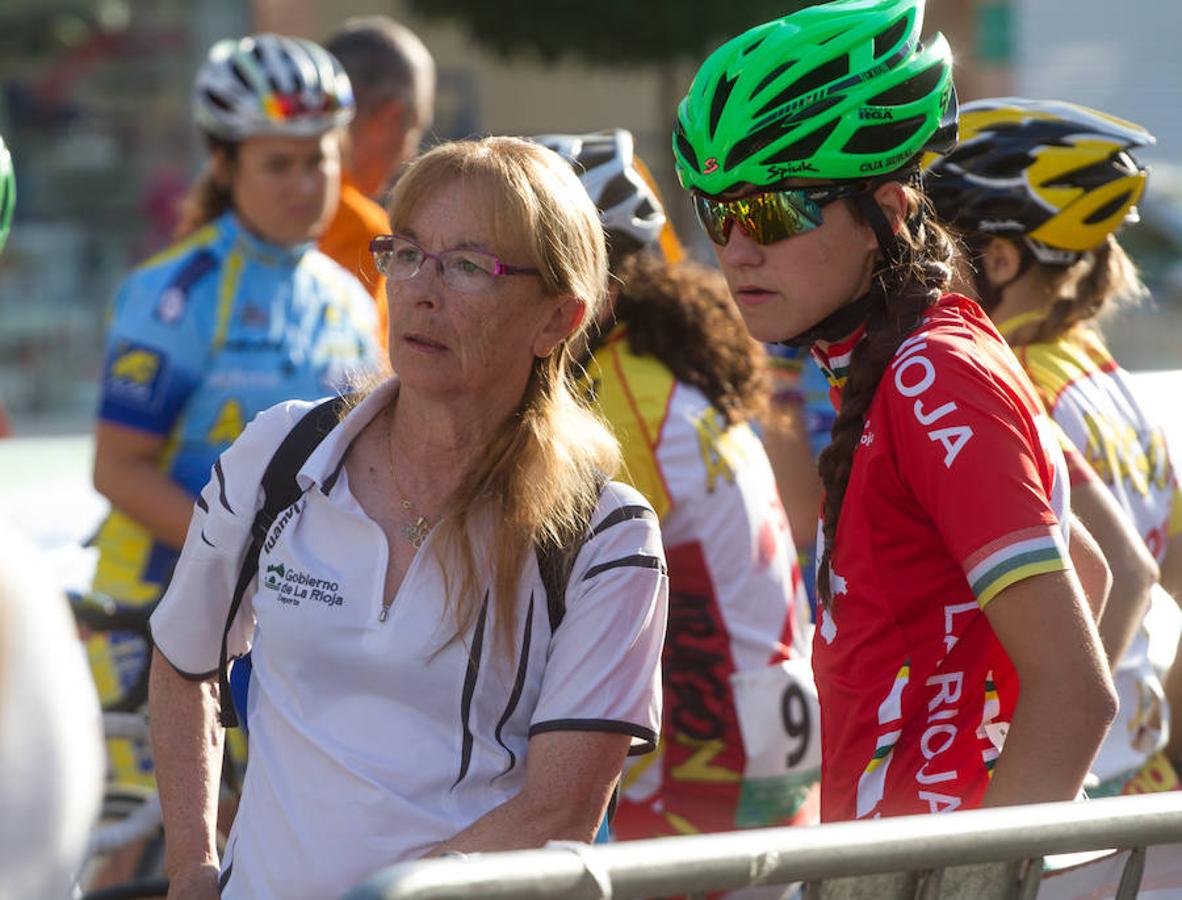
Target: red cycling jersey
958, 490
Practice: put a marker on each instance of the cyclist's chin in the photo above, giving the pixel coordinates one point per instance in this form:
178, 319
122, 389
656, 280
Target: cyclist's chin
770, 322
297, 227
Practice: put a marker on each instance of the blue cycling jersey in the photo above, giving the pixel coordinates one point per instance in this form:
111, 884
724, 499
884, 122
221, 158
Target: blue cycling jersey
206, 335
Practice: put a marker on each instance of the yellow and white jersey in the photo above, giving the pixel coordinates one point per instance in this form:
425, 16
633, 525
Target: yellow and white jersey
736, 600
1091, 398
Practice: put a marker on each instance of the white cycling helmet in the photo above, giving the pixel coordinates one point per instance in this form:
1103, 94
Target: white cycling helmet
269, 85
604, 162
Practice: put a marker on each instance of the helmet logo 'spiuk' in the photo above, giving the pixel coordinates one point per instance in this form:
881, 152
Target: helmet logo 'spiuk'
711, 165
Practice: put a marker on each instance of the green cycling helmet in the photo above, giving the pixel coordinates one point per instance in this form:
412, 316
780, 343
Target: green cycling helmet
840, 91
7, 192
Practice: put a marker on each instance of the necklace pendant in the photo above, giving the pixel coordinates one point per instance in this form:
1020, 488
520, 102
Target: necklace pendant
416, 533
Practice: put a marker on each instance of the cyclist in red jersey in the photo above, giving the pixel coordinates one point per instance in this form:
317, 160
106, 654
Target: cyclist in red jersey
1039, 189
944, 565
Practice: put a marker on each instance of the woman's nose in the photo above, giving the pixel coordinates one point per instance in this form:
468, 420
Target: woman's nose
739, 250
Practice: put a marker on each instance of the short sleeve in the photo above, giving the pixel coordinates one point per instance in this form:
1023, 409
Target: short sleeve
188, 623
157, 344
603, 671
982, 460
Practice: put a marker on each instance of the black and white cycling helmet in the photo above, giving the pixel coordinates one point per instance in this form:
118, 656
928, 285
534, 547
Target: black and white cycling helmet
605, 162
267, 85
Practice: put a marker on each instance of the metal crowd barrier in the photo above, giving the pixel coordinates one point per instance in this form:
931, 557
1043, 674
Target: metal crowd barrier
978, 854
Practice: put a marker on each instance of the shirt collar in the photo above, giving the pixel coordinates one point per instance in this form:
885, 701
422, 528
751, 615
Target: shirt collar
323, 467
1007, 328
835, 360
272, 254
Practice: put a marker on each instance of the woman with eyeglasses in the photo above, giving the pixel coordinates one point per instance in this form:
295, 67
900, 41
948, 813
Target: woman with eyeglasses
944, 572
241, 313
430, 675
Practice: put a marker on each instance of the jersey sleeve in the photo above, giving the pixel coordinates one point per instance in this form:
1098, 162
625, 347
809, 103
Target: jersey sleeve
982, 460
603, 672
188, 623
157, 344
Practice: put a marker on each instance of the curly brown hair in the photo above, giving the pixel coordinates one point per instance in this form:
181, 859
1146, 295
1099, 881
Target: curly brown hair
683, 315
924, 271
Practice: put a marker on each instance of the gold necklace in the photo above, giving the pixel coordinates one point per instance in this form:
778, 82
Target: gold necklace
416, 532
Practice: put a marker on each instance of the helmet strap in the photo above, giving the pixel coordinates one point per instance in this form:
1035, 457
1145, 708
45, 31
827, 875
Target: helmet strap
845, 319
840, 323
888, 242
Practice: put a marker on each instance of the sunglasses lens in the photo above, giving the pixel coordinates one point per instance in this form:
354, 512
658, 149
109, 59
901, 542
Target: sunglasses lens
714, 218
777, 215
767, 217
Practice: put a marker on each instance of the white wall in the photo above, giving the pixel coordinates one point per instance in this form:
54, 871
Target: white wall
1120, 56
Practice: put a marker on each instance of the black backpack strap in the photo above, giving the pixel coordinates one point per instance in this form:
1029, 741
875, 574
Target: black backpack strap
555, 563
280, 490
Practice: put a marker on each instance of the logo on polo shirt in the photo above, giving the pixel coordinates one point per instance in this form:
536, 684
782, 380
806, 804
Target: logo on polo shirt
293, 586
275, 575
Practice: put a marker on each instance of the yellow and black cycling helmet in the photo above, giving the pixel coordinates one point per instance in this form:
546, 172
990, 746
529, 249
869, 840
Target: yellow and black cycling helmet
1058, 175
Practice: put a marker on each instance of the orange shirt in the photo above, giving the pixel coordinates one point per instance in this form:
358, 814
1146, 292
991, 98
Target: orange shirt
347, 238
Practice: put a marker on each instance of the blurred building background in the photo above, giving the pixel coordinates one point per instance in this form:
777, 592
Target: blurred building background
94, 103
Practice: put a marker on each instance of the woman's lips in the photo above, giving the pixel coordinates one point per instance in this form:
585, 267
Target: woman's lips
754, 296
424, 343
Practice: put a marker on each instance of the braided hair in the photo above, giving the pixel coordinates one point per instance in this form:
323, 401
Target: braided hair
905, 290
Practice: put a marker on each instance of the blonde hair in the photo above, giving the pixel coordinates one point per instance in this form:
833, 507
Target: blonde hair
544, 467
1102, 280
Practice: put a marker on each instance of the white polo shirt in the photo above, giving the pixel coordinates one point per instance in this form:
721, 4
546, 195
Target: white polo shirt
373, 741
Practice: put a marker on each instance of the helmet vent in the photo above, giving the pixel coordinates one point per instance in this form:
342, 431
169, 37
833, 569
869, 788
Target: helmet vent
722, 92
593, 158
1093, 176
1109, 209
773, 75
615, 192
884, 137
912, 89
802, 149
753, 46
995, 163
236, 71
887, 40
810, 81
216, 100
685, 148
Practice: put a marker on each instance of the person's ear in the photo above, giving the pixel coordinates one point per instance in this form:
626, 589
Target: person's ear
1000, 261
221, 167
563, 321
891, 198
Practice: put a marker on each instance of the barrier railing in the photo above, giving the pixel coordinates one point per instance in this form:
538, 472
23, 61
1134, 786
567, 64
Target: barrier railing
979, 854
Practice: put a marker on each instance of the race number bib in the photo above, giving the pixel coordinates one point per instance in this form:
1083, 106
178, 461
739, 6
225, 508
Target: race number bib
780, 720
